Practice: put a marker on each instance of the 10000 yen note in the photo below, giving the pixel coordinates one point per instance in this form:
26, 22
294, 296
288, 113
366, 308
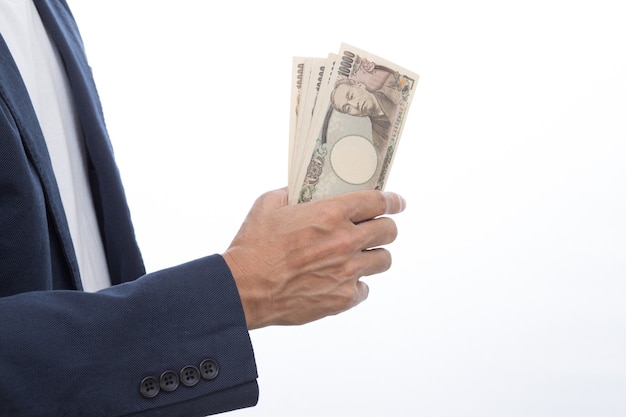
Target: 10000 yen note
355, 129
297, 78
309, 77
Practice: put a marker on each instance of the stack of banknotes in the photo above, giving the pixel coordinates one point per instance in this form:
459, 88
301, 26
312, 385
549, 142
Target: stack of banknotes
347, 115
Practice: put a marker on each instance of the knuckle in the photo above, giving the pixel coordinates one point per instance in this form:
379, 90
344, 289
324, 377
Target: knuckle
347, 243
326, 214
387, 260
393, 230
351, 295
352, 269
388, 229
381, 201
382, 261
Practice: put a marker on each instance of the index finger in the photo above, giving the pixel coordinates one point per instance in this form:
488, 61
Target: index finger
365, 205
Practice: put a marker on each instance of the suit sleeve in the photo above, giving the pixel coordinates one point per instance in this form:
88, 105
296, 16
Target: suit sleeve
171, 343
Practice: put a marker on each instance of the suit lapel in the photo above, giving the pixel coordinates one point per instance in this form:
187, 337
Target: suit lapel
123, 256
15, 94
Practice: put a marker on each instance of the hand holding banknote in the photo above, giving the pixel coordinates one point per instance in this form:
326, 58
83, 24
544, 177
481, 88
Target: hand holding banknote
296, 263
347, 115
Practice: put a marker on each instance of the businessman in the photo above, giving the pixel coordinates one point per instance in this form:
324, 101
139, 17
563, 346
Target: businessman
84, 331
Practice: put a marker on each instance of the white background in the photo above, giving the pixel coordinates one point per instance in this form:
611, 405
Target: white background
506, 297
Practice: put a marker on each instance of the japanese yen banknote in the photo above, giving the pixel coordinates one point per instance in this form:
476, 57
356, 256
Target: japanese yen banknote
347, 114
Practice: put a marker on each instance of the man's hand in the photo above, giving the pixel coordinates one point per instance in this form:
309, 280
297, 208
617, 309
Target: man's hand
298, 263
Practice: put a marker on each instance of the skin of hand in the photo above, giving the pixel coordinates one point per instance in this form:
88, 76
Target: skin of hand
294, 264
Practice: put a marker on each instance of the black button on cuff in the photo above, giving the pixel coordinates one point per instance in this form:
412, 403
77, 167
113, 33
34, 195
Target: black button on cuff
149, 387
189, 376
209, 369
169, 381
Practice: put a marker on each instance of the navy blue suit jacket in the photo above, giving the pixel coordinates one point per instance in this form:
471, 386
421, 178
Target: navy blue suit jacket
169, 343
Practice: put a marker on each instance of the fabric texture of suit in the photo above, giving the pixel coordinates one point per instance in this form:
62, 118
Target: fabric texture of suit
64, 352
